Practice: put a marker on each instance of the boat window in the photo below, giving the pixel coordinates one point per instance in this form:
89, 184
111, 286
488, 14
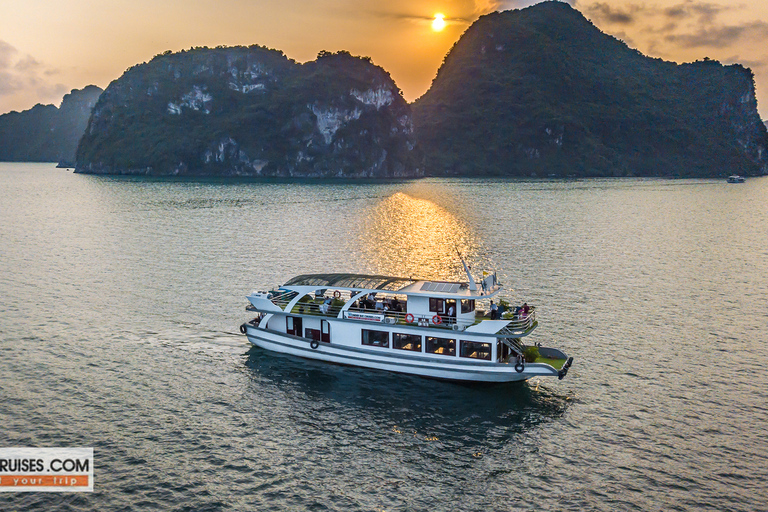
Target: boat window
312, 334
467, 305
436, 305
476, 350
444, 346
406, 341
375, 338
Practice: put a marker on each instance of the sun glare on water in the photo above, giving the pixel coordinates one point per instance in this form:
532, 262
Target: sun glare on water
438, 23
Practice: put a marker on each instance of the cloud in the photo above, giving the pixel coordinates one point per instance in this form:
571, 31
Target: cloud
686, 25
460, 12
7, 52
604, 12
421, 18
720, 36
702, 12
8, 83
750, 63
28, 63
25, 76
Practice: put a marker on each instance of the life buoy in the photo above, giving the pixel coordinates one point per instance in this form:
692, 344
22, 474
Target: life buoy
337, 294
243, 329
437, 320
314, 344
520, 366
409, 318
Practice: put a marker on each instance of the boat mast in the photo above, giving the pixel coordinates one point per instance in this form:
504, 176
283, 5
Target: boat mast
472, 285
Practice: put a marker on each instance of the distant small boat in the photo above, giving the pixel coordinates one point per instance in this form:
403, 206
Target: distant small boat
735, 178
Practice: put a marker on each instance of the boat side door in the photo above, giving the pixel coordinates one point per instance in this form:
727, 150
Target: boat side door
293, 325
325, 331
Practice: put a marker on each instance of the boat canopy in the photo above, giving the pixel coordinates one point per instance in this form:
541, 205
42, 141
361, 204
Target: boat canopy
352, 281
404, 285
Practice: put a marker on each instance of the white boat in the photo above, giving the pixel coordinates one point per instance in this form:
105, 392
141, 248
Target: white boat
419, 327
735, 178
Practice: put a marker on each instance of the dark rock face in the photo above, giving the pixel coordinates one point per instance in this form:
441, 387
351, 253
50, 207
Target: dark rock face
74, 112
541, 91
251, 112
45, 133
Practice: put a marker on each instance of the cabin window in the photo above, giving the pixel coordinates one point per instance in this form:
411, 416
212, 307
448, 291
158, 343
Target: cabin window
444, 346
375, 338
312, 334
476, 350
437, 305
467, 305
406, 341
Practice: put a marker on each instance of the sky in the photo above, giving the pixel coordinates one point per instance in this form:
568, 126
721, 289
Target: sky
48, 47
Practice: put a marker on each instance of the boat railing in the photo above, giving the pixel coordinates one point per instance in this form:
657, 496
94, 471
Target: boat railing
521, 322
398, 317
517, 323
405, 318
282, 298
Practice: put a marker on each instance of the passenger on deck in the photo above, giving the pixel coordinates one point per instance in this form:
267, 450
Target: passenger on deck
325, 305
525, 310
396, 306
494, 311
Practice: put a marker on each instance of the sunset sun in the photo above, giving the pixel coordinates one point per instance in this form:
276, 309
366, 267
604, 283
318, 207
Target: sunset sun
438, 23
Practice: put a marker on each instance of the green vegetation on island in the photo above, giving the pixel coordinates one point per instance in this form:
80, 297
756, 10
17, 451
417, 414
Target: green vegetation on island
251, 112
541, 91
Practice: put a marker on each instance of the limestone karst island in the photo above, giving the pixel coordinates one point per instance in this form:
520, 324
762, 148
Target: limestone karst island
536, 92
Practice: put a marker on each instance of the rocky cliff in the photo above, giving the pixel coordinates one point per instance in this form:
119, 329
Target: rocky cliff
251, 112
45, 133
541, 91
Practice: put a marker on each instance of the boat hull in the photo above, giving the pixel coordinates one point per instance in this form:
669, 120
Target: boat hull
424, 365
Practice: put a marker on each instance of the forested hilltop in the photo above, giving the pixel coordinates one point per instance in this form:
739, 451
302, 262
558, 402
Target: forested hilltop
45, 133
251, 112
541, 91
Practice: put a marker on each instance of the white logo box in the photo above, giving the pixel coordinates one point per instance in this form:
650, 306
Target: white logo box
46, 469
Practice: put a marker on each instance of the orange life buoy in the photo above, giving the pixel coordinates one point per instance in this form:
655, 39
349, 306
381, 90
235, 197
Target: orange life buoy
437, 320
337, 294
409, 318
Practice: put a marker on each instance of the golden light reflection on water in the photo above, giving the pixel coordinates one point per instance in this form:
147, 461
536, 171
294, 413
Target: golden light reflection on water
410, 237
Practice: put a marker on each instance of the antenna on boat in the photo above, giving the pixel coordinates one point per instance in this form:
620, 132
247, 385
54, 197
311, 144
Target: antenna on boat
472, 285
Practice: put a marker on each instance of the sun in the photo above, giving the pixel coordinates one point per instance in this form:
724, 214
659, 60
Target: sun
438, 23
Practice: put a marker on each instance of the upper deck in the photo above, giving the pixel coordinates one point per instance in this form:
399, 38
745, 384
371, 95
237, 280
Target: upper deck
395, 300
487, 288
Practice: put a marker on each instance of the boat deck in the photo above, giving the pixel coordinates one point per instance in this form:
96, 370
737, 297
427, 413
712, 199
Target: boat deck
314, 307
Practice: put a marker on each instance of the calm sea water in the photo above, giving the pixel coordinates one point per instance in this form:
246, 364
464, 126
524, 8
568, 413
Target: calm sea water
120, 301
